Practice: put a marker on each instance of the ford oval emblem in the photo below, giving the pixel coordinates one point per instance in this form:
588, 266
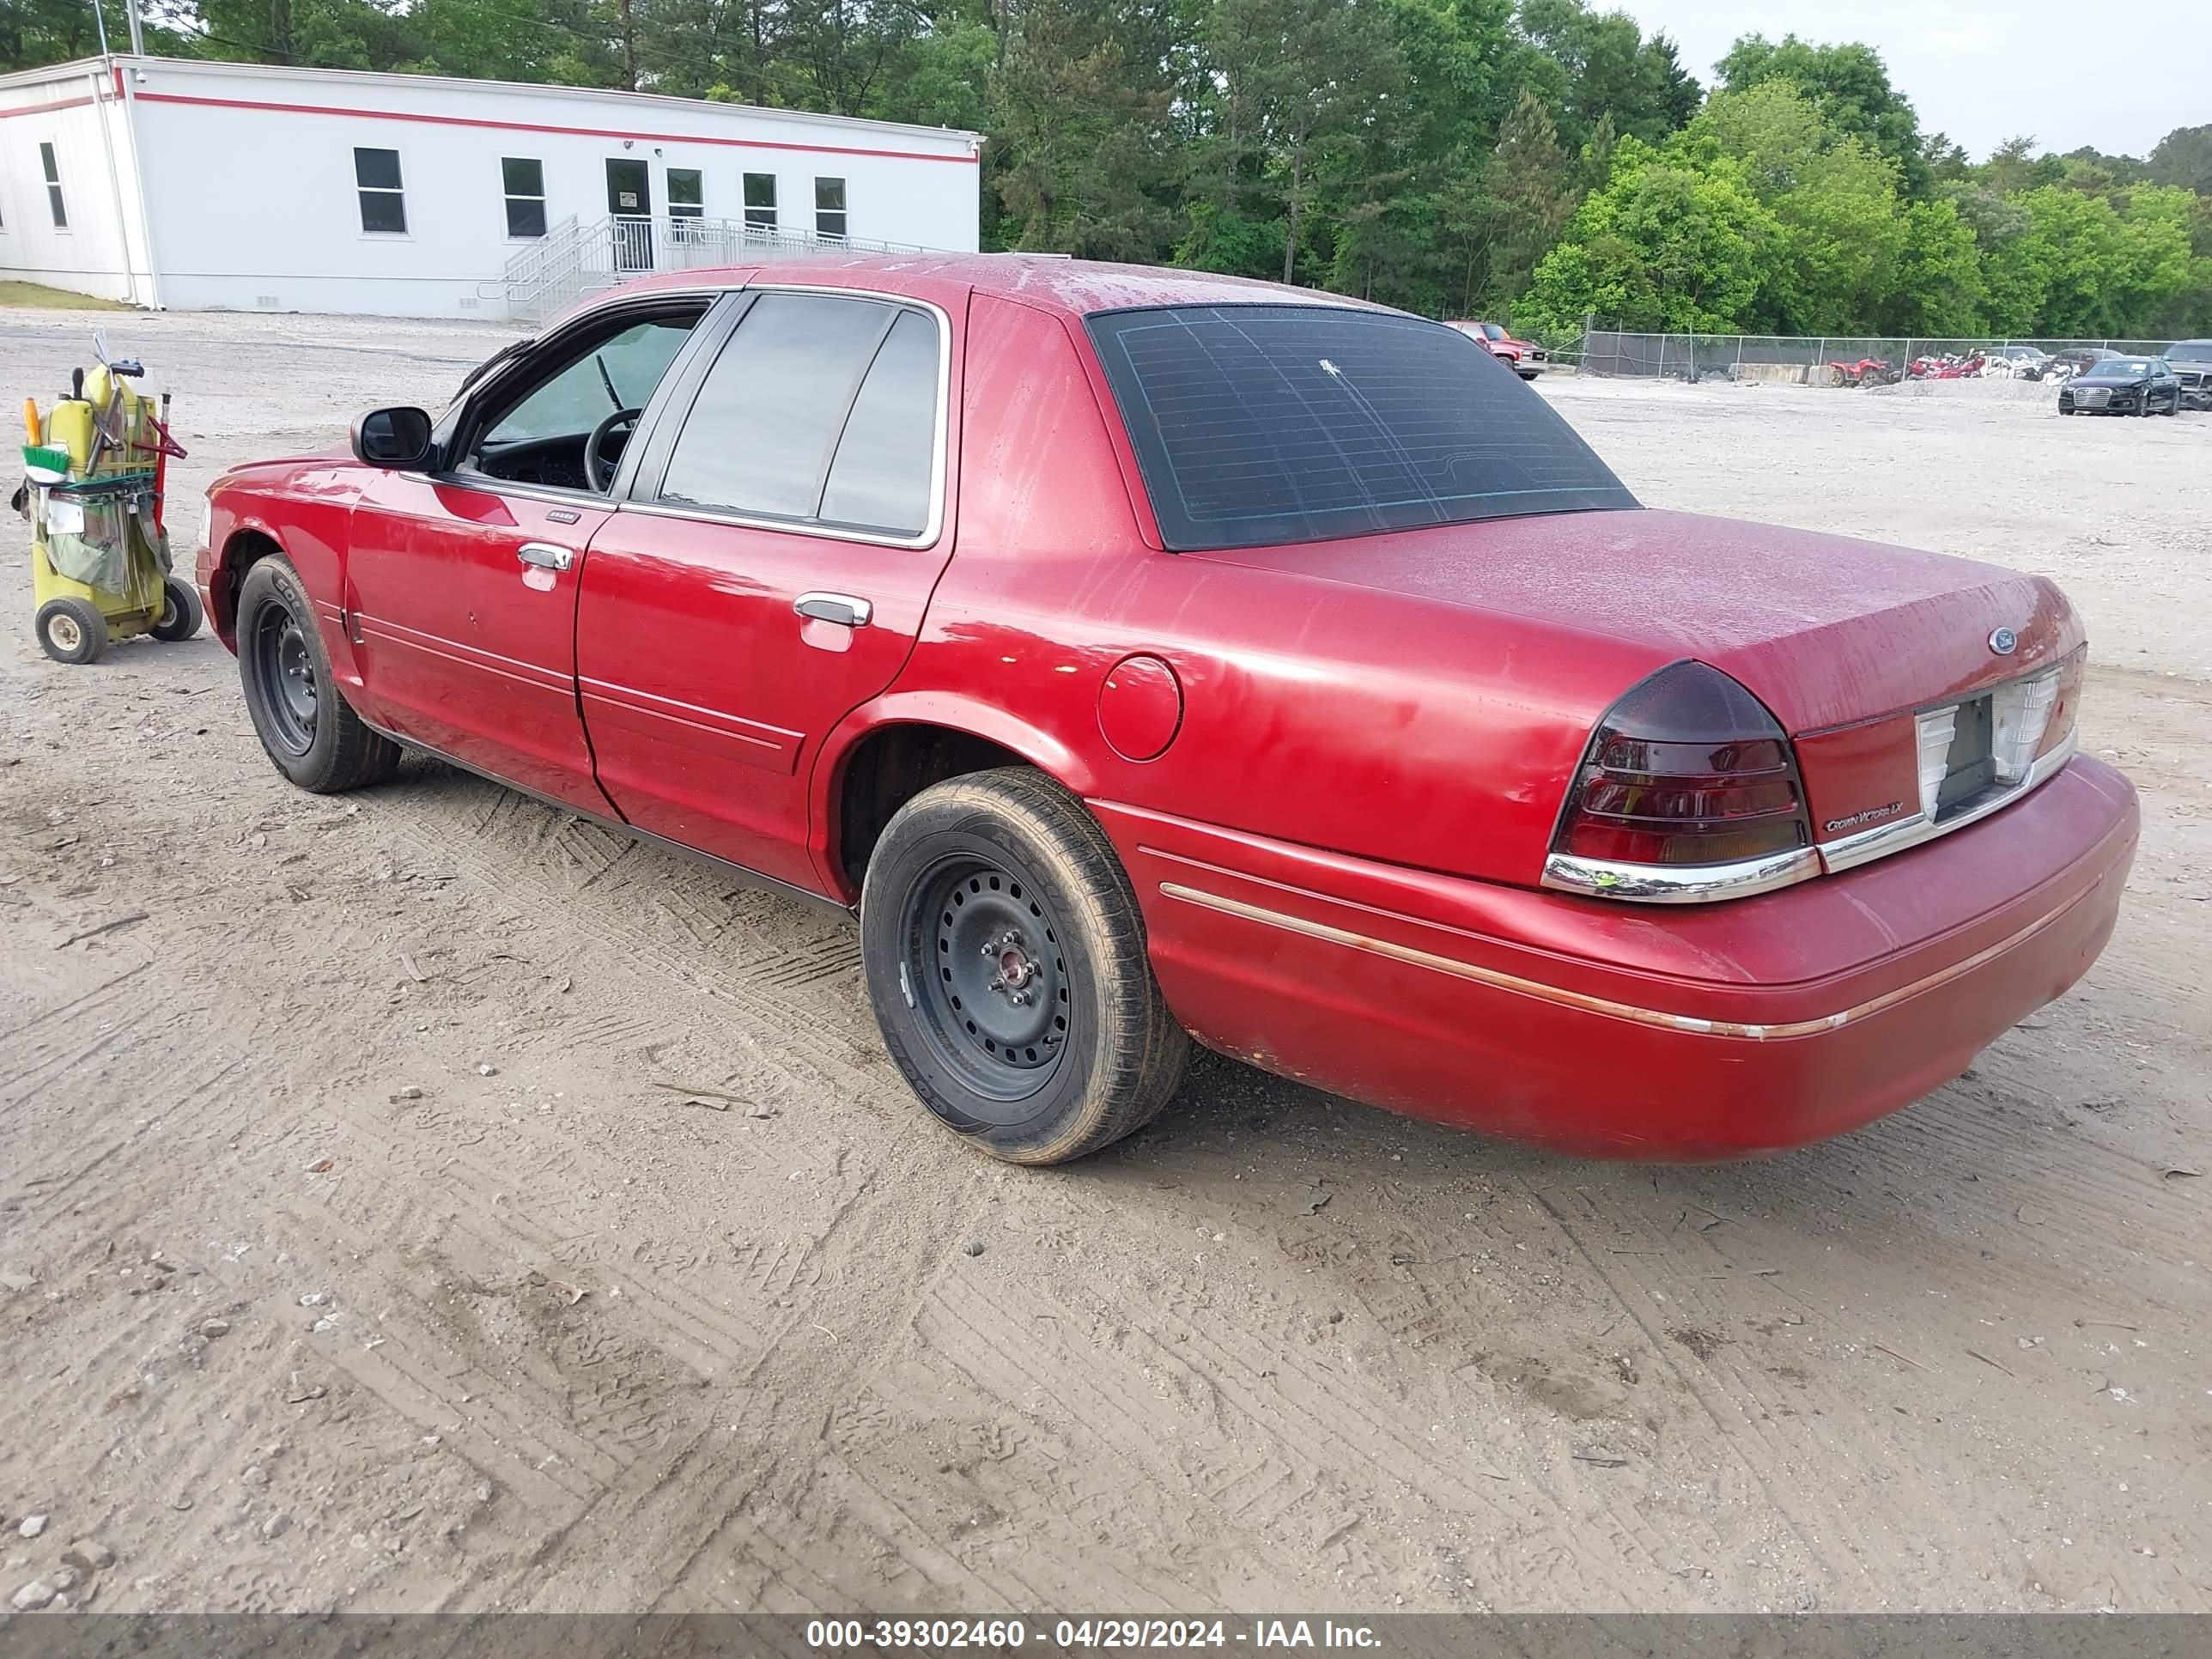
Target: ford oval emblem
2004, 641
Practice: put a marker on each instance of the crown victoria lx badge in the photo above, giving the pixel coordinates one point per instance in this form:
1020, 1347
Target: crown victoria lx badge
2004, 641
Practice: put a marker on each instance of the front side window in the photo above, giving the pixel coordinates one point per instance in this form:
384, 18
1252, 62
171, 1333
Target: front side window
820, 411
830, 208
760, 201
1260, 424
53, 173
538, 432
524, 180
383, 204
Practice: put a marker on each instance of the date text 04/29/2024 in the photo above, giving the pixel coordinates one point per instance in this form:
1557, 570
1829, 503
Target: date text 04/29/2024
1004, 1635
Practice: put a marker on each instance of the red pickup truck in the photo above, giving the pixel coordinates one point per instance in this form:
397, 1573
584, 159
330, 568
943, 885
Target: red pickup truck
1528, 360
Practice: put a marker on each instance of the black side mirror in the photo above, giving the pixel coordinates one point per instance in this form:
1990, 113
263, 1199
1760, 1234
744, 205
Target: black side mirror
395, 438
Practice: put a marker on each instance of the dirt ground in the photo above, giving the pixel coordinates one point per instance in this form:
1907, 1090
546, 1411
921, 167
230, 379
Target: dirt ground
363, 1244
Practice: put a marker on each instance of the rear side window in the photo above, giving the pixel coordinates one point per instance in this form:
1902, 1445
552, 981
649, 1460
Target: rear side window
819, 411
1260, 424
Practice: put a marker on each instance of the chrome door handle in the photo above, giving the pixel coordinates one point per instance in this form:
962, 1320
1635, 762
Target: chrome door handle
841, 608
545, 556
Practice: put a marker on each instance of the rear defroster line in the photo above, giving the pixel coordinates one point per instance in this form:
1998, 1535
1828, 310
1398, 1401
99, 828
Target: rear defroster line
1566, 998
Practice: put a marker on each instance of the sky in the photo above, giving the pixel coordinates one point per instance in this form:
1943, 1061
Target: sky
2118, 74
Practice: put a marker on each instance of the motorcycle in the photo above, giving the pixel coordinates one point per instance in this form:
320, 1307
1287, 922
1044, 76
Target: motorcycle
1949, 366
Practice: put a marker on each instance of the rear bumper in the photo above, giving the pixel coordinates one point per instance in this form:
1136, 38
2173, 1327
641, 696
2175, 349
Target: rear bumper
1710, 1032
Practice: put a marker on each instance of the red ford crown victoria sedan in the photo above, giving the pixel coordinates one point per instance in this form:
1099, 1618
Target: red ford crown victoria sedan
1146, 656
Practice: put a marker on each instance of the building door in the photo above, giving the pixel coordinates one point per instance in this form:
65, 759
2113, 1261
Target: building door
630, 202
776, 577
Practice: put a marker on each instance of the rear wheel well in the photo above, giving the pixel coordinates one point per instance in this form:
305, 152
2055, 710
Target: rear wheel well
240, 555
890, 768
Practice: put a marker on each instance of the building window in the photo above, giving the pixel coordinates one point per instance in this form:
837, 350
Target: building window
53, 186
382, 208
686, 193
524, 180
830, 208
760, 201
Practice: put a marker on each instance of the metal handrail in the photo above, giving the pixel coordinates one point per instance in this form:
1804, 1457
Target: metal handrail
577, 258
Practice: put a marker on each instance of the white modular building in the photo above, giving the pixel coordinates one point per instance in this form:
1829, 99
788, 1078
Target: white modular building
193, 186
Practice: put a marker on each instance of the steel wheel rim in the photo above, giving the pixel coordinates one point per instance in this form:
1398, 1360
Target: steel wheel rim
284, 669
985, 972
62, 629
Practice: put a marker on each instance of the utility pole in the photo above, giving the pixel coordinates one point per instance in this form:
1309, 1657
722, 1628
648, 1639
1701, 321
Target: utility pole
100, 26
137, 35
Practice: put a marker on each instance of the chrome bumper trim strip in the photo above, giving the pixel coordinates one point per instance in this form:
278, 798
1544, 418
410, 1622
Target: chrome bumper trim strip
1559, 994
1698, 884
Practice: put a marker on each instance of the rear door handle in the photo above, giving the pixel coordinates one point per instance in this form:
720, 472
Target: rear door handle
840, 607
545, 556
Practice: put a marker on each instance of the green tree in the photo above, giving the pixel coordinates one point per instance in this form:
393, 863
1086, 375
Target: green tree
1938, 288
1610, 69
1665, 245
1849, 85
2184, 159
1080, 105
2013, 166
1411, 218
2083, 268
1530, 177
1842, 230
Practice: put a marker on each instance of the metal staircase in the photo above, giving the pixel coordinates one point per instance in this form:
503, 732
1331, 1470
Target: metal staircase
576, 259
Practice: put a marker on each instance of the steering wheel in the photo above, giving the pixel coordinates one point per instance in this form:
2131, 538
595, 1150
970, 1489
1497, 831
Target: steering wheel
596, 467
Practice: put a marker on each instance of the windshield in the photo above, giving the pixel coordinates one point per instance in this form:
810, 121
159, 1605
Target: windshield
2121, 369
1261, 424
621, 374
2195, 351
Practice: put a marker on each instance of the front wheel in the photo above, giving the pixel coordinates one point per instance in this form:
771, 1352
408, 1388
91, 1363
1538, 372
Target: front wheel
180, 612
1005, 961
71, 630
304, 723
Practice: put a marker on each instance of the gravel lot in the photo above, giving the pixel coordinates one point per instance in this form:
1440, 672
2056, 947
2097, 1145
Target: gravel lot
363, 1244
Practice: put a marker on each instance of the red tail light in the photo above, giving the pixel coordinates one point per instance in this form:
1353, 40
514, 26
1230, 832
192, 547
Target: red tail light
1687, 769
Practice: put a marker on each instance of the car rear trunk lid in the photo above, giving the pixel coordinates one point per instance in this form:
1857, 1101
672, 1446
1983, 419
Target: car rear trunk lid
1880, 661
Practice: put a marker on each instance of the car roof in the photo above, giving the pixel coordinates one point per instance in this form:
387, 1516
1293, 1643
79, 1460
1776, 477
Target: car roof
1077, 288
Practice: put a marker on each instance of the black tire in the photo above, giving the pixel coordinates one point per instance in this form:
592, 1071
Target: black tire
302, 717
71, 630
180, 612
1006, 962
2173, 408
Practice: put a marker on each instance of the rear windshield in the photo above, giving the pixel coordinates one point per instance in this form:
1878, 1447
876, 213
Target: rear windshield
1260, 424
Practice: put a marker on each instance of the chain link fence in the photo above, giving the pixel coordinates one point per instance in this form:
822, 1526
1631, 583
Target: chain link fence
1796, 359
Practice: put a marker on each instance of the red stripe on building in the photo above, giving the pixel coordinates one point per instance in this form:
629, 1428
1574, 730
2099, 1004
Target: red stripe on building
536, 126
40, 109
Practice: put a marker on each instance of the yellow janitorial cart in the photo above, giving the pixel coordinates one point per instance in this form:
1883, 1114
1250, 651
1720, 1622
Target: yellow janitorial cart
95, 467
